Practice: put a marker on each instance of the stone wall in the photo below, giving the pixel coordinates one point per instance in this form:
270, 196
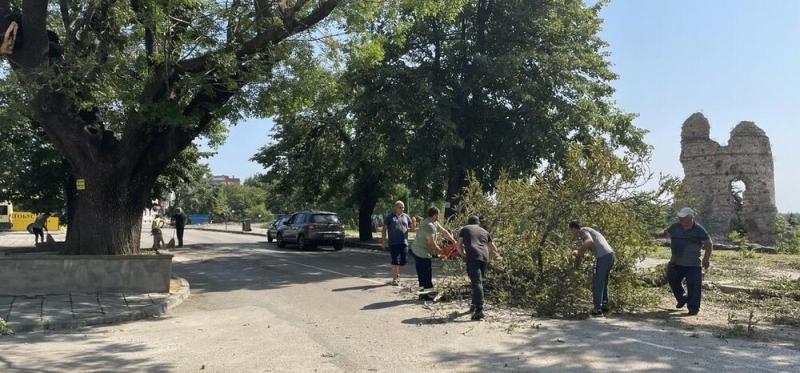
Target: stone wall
29, 274
709, 169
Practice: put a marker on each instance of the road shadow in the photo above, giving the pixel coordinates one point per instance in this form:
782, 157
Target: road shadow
387, 304
92, 352
362, 288
452, 317
255, 266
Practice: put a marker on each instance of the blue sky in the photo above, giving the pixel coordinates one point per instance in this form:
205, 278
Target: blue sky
732, 60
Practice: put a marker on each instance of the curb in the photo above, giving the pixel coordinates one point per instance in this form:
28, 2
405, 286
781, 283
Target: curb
158, 309
252, 233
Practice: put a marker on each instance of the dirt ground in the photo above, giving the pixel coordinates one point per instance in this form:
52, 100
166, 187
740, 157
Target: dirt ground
745, 296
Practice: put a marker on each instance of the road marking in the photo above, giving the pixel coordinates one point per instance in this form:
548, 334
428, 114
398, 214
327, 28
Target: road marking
659, 346
334, 272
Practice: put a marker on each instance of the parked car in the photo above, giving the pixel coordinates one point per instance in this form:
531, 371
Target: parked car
312, 228
272, 231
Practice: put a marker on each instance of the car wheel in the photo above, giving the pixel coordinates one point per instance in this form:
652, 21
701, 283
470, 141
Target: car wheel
269, 237
281, 242
301, 243
338, 246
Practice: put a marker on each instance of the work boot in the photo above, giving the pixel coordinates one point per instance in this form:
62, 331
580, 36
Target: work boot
478, 315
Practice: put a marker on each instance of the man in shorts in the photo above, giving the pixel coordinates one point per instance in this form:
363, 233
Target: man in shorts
396, 226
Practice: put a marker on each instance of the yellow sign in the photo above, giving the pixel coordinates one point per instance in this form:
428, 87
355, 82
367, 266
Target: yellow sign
80, 184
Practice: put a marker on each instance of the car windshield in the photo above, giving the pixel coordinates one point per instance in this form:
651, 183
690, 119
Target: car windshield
279, 222
327, 218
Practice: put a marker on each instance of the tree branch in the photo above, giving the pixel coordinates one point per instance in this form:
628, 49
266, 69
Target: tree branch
149, 38
298, 6
52, 111
5, 9
66, 19
34, 28
166, 144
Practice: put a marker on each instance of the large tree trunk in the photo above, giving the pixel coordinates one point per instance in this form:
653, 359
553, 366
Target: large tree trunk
368, 192
107, 217
71, 195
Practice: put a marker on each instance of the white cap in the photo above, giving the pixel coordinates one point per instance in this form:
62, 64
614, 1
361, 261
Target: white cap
684, 212
399, 203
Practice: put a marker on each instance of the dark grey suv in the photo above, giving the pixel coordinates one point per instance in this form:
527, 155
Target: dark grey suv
312, 228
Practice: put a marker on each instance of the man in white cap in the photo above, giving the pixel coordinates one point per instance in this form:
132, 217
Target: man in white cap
686, 239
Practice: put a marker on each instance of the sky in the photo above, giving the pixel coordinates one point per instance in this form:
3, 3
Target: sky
732, 60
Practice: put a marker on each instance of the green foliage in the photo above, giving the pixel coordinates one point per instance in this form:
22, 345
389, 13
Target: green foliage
193, 191
788, 241
745, 250
4, 329
244, 201
738, 238
529, 222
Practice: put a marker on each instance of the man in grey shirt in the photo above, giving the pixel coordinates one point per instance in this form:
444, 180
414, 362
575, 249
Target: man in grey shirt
603, 262
686, 239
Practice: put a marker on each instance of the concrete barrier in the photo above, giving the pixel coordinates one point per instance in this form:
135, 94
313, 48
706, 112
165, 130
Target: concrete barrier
28, 274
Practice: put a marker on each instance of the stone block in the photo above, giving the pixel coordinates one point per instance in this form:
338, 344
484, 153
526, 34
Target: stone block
64, 274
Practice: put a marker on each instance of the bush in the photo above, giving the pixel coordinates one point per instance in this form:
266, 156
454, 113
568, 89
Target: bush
529, 223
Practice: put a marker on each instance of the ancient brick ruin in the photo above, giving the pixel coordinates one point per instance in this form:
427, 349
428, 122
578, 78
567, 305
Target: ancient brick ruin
709, 169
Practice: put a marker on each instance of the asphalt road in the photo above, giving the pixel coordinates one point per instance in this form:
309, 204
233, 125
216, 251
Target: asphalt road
257, 308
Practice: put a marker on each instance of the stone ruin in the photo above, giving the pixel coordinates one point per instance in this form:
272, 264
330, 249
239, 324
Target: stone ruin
710, 169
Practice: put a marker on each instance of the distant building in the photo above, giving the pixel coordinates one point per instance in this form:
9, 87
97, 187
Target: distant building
224, 180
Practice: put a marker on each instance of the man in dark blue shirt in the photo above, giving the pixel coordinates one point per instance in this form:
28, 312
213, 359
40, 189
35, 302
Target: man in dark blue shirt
686, 239
396, 225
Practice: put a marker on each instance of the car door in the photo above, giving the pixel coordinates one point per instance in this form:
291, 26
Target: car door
286, 229
297, 226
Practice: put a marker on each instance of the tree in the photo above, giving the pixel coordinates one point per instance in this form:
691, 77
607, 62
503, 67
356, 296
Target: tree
193, 191
34, 173
244, 201
122, 88
528, 220
493, 86
506, 86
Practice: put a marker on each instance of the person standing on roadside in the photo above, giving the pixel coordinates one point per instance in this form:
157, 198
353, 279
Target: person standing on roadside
423, 249
686, 239
604, 258
179, 220
475, 243
158, 237
396, 226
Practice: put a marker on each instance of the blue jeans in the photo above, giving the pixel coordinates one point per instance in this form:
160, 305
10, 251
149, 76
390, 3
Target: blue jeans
694, 281
424, 271
602, 271
475, 271
399, 254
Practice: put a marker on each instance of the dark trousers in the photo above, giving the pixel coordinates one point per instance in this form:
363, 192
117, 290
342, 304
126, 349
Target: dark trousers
602, 271
179, 232
694, 281
424, 271
475, 271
